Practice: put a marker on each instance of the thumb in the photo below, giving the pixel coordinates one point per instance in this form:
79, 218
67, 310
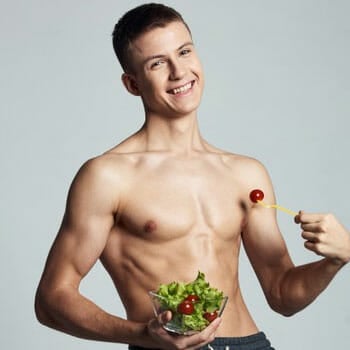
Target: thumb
164, 317
297, 218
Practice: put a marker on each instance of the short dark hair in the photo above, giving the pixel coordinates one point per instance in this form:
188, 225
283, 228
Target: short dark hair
137, 21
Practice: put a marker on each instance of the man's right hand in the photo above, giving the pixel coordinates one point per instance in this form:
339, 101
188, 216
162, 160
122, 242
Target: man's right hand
168, 341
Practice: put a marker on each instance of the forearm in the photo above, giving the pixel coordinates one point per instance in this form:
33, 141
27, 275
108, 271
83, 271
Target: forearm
68, 311
301, 285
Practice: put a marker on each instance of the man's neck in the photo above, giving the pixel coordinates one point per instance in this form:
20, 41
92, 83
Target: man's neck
178, 135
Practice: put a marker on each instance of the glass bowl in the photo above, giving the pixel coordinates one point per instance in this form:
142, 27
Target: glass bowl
175, 325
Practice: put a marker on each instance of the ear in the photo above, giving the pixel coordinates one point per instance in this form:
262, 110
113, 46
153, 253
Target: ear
130, 84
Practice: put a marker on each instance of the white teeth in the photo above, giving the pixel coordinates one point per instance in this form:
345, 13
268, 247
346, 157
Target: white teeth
182, 88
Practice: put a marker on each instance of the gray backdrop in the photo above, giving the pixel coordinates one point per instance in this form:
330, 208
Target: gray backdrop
277, 89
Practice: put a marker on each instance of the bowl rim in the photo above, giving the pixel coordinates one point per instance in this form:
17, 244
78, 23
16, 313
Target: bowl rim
225, 298
154, 294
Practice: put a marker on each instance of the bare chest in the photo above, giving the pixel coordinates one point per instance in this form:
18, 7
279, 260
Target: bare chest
168, 203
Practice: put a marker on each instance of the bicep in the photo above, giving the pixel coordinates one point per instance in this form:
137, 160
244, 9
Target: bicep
88, 219
262, 239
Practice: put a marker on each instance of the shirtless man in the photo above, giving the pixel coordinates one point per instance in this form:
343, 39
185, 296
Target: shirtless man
164, 204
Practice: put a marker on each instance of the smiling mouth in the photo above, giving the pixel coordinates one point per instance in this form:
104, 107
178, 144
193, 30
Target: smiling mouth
181, 89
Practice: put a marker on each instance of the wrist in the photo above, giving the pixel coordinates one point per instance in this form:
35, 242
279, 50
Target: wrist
141, 336
336, 263
342, 259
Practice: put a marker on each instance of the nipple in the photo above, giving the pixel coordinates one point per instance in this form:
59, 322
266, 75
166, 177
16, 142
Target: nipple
150, 226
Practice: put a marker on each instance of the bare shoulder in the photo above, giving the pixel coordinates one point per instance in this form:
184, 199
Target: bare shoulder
112, 166
235, 160
103, 177
245, 169
95, 172
250, 168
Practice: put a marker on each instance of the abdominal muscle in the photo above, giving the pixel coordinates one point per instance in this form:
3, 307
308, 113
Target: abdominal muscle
138, 265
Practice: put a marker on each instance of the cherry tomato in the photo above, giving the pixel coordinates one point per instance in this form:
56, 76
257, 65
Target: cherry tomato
186, 308
192, 298
256, 195
210, 316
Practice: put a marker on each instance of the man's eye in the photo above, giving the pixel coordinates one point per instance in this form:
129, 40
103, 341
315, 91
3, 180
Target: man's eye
185, 52
156, 64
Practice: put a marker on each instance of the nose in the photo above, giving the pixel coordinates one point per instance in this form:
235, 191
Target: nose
177, 70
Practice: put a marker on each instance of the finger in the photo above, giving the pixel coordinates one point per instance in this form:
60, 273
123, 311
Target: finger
314, 227
308, 218
164, 317
206, 336
297, 217
310, 236
309, 245
314, 247
156, 324
213, 326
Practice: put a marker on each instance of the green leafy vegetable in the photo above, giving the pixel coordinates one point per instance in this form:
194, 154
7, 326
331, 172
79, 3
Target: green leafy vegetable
208, 300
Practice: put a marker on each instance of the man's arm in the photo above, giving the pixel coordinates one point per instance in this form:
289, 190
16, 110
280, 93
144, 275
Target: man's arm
289, 289
92, 202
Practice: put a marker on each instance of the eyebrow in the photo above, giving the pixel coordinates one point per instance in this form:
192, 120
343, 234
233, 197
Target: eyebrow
149, 58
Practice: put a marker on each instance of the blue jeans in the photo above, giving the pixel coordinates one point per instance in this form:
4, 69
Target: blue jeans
256, 341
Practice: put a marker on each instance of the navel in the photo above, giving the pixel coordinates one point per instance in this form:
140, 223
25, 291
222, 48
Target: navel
150, 226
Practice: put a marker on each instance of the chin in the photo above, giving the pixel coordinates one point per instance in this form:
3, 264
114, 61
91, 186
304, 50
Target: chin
188, 108
185, 111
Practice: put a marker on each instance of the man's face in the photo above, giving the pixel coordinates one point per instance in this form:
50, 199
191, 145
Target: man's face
166, 70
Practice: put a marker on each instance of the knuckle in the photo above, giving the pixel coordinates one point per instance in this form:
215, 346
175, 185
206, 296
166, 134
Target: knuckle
323, 226
317, 249
202, 338
177, 345
321, 239
182, 343
328, 217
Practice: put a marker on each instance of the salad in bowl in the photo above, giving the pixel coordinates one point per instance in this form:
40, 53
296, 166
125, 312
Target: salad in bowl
193, 305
